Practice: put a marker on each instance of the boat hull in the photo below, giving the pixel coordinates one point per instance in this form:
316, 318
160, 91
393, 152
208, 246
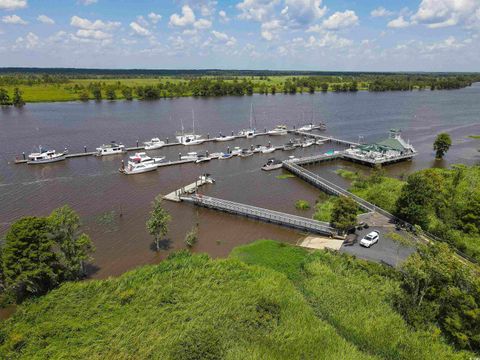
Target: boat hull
272, 167
46, 161
138, 171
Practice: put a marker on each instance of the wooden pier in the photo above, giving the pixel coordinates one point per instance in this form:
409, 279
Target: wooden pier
189, 189
288, 220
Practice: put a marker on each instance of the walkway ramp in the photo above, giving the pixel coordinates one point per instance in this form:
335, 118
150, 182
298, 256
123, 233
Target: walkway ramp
288, 220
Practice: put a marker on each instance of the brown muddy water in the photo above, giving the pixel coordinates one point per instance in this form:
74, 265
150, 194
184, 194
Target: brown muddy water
114, 207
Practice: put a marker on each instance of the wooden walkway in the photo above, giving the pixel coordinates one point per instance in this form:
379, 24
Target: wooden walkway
189, 189
288, 220
325, 138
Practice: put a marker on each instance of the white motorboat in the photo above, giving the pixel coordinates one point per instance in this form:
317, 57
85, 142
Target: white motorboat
272, 164
202, 158
236, 151
138, 167
154, 143
321, 141
289, 146
190, 156
190, 139
142, 157
45, 156
224, 137
278, 130
268, 150
215, 155
245, 153
110, 149
225, 156
250, 132
259, 148
308, 127
308, 143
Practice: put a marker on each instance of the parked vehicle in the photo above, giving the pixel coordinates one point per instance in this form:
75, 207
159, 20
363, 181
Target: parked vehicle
370, 239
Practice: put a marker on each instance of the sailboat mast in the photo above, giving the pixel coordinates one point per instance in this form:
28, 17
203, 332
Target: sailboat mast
193, 120
251, 114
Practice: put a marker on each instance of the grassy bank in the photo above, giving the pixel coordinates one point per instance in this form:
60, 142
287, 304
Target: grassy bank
267, 301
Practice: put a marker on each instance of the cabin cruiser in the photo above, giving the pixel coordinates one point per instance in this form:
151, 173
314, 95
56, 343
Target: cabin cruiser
236, 151
110, 149
321, 141
224, 137
272, 164
190, 139
140, 163
289, 146
308, 127
193, 156
258, 148
268, 150
154, 143
202, 158
248, 133
45, 156
142, 157
278, 130
225, 156
308, 143
245, 153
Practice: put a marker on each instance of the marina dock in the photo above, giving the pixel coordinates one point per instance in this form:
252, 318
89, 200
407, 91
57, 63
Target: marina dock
266, 215
189, 189
324, 138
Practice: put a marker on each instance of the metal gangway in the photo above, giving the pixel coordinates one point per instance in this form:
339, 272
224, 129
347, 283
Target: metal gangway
293, 221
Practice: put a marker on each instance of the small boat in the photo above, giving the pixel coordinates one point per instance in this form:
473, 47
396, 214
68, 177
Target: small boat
154, 143
308, 143
110, 149
133, 168
248, 133
308, 127
225, 156
245, 153
224, 137
190, 139
236, 151
45, 156
259, 148
272, 164
215, 155
331, 152
278, 130
289, 146
268, 150
292, 158
296, 143
190, 156
202, 158
320, 141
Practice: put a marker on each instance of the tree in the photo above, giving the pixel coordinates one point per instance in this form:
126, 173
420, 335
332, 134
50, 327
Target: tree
74, 246
17, 98
442, 144
4, 97
97, 92
127, 93
157, 224
344, 213
30, 265
110, 93
191, 237
84, 96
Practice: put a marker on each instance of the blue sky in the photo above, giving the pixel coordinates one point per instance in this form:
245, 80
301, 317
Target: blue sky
412, 35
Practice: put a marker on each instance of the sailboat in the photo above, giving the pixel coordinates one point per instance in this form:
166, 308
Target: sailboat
251, 132
190, 139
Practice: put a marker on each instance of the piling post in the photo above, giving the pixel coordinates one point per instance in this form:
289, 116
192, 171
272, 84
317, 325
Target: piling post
269, 144
232, 133
206, 153
208, 136
85, 149
167, 140
179, 156
23, 154
137, 143
265, 130
228, 151
293, 127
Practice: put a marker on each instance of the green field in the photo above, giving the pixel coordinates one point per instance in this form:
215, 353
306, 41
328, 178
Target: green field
267, 301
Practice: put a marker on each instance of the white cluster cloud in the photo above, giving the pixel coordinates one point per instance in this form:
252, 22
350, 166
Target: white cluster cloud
341, 20
223, 16
30, 41
380, 12
88, 2
398, 23
303, 12
187, 17
154, 18
12, 4
270, 29
44, 19
201, 24
93, 30
13, 19
257, 10
139, 29
224, 38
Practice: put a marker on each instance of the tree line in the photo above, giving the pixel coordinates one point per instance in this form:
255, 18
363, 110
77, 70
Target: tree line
16, 99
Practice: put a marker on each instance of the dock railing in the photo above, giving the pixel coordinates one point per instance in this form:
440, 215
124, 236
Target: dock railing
267, 215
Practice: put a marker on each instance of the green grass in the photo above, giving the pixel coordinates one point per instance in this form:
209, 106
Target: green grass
285, 176
474, 136
383, 194
188, 307
346, 174
302, 205
353, 296
323, 209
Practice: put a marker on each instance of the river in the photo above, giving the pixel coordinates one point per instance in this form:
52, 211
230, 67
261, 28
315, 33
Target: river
114, 207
